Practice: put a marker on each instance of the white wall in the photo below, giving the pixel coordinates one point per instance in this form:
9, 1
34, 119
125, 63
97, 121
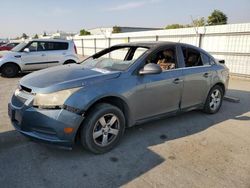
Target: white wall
230, 42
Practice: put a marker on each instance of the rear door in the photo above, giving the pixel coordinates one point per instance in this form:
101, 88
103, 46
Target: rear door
197, 74
56, 52
36, 57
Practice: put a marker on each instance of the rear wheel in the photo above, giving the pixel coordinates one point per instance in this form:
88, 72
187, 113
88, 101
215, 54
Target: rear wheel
69, 62
10, 70
103, 128
214, 100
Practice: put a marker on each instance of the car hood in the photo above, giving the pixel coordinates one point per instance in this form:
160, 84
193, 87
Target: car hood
6, 53
65, 77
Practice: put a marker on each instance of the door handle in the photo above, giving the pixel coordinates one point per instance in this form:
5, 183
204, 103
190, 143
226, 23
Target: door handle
43, 54
177, 81
206, 74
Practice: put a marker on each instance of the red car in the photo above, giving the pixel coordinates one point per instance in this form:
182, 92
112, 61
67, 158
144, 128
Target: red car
8, 46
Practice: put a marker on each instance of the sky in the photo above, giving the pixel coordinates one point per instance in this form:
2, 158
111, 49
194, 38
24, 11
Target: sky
37, 16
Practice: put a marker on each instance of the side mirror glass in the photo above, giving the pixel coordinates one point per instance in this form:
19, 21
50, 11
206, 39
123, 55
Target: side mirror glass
150, 68
27, 50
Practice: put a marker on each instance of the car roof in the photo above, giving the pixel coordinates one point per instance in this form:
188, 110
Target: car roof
154, 44
145, 44
50, 40
157, 44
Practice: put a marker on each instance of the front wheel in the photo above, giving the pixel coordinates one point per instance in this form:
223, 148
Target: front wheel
10, 70
214, 100
103, 128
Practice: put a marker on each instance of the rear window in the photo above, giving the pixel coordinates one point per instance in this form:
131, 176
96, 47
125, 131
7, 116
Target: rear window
206, 59
57, 46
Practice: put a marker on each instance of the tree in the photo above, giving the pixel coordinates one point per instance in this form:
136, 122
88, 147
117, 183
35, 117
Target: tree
174, 26
199, 22
217, 17
25, 36
84, 32
36, 36
116, 29
44, 34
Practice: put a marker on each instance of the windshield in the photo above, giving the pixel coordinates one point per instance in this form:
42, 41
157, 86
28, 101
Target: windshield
116, 59
19, 47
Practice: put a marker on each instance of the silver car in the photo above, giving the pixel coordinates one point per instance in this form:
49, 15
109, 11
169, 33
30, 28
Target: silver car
119, 87
37, 54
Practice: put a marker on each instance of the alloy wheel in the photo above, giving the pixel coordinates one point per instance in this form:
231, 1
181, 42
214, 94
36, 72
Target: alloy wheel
106, 130
215, 100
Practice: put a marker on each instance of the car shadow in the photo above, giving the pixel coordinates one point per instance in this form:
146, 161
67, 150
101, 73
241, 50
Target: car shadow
27, 163
19, 75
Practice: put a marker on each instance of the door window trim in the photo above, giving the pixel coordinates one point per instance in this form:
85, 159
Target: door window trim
200, 52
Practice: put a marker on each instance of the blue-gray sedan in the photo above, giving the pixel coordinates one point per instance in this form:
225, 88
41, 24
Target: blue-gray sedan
116, 88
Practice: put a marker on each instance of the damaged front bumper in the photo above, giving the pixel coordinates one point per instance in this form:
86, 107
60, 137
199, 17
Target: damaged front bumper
45, 125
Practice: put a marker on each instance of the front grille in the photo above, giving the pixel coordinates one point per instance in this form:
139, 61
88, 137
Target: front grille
26, 89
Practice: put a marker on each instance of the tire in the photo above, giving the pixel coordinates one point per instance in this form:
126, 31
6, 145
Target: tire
97, 134
214, 100
9, 70
69, 62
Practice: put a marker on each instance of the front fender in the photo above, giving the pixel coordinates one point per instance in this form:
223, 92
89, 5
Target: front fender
86, 97
123, 89
12, 60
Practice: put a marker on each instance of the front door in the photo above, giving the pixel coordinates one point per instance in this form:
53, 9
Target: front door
35, 58
158, 94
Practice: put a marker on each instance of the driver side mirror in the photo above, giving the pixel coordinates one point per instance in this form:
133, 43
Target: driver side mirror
150, 68
27, 50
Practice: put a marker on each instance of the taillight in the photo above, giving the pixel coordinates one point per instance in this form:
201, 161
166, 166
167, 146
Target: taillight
75, 48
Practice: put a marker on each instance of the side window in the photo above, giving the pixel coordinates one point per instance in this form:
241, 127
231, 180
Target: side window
33, 46
41, 46
62, 45
212, 61
165, 58
56, 46
205, 59
192, 57
36, 46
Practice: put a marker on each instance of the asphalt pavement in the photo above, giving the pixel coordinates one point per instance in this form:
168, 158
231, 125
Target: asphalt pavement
190, 150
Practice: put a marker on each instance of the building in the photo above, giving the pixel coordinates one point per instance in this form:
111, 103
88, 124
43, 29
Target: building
58, 35
108, 30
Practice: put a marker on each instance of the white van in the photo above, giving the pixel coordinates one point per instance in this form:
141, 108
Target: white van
37, 54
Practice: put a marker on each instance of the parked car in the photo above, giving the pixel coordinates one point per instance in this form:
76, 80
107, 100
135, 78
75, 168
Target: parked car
37, 54
8, 46
2, 43
125, 85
